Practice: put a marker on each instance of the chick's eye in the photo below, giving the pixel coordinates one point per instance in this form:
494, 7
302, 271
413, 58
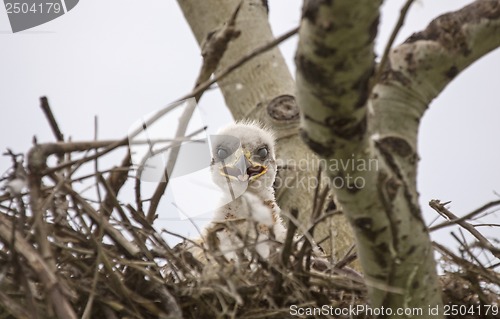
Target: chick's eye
263, 152
222, 153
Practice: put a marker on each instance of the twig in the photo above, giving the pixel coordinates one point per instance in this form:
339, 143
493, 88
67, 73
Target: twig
244, 59
172, 158
213, 51
200, 88
14, 308
129, 248
388, 46
437, 206
116, 180
42, 269
287, 246
214, 47
465, 217
491, 276
44, 104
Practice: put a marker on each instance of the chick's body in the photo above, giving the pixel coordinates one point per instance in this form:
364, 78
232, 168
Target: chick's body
244, 168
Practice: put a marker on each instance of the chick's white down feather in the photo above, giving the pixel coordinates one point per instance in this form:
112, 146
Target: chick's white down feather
244, 167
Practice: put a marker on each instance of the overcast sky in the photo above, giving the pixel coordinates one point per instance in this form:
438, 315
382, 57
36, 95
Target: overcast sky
122, 59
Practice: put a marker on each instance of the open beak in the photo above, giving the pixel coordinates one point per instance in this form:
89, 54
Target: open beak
243, 169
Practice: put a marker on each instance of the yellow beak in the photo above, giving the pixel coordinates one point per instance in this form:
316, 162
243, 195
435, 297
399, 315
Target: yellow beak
243, 169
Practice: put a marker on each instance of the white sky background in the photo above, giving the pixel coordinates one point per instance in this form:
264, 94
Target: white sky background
122, 59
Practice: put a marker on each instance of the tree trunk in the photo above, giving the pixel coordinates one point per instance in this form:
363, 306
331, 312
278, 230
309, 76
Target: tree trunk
263, 89
346, 121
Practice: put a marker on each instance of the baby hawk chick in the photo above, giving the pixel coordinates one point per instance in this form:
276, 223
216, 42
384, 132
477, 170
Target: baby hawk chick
244, 167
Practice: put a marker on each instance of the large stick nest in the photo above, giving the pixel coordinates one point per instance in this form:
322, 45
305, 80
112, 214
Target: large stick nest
68, 256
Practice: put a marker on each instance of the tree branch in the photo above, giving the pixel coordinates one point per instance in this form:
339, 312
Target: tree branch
335, 61
428, 60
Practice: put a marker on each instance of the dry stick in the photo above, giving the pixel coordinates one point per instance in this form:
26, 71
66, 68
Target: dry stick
287, 246
128, 247
110, 147
244, 59
465, 217
157, 238
44, 104
199, 89
438, 207
102, 257
491, 276
213, 51
62, 307
90, 302
113, 202
14, 308
306, 247
388, 46
466, 248
28, 286
137, 188
43, 270
172, 158
318, 203
96, 162
115, 181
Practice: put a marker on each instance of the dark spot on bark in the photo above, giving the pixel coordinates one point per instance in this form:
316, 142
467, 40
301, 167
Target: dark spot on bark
332, 105
352, 188
340, 66
362, 86
447, 29
413, 159
452, 72
364, 223
411, 250
373, 29
333, 122
396, 145
404, 237
379, 277
375, 96
283, 108
322, 50
391, 188
265, 5
316, 147
409, 58
415, 285
312, 72
331, 205
311, 7
391, 75
382, 230
347, 128
411, 65
380, 256
309, 118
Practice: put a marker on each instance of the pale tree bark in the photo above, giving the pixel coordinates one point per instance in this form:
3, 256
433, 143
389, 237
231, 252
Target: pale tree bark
346, 117
263, 89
